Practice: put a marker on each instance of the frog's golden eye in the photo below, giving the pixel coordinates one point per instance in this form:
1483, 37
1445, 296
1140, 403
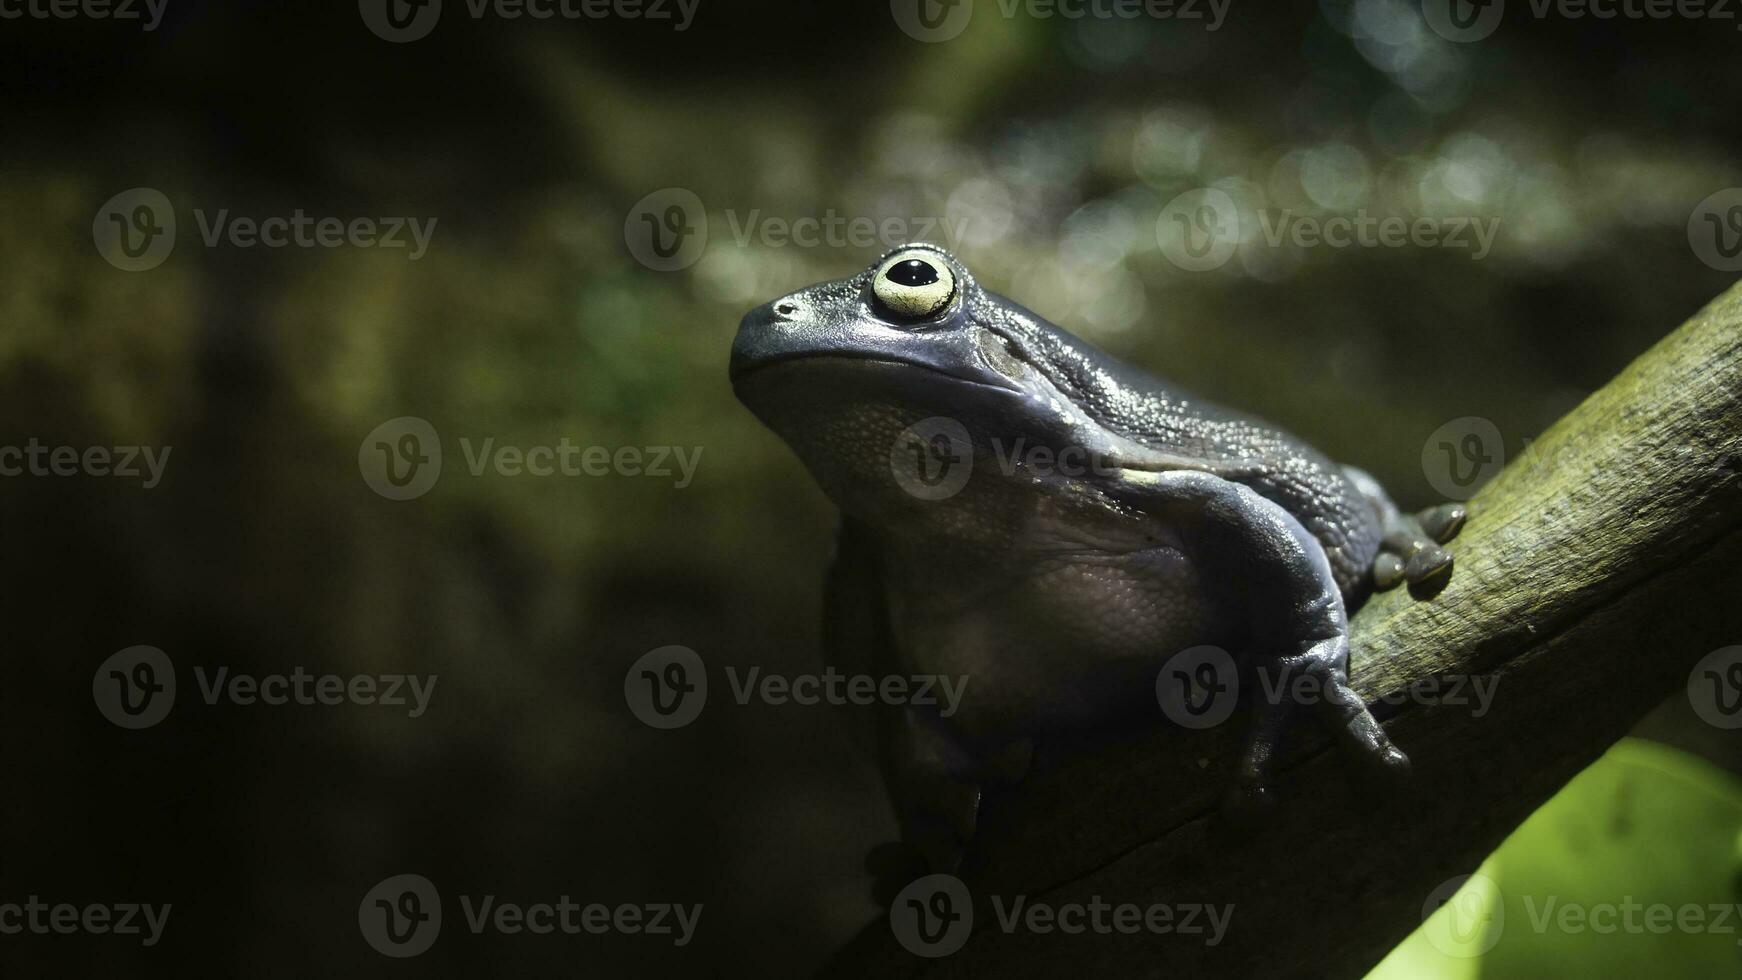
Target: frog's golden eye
914, 284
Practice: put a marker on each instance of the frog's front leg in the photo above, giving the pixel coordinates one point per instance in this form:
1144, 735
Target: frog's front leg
932, 775
934, 783
1279, 587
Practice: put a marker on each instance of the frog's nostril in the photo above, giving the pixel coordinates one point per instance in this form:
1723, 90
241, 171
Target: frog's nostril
786, 309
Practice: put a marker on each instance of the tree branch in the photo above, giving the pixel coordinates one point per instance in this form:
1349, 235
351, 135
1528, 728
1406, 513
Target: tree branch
1594, 572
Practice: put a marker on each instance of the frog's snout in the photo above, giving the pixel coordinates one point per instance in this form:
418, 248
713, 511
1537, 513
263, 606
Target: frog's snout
763, 335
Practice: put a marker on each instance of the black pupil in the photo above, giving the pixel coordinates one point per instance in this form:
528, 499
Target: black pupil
913, 272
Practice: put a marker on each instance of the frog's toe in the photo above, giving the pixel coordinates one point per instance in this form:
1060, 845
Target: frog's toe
1393, 762
1409, 552
1427, 564
1443, 523
1387, 571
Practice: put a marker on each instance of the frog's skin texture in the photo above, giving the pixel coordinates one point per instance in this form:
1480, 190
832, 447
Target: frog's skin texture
1058, 591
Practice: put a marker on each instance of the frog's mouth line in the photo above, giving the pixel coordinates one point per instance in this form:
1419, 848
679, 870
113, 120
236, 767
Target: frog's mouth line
741, 371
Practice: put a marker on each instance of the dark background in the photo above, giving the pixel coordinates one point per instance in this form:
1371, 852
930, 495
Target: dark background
529, 320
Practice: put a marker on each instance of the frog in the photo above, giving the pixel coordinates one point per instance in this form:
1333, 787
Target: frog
1023, 511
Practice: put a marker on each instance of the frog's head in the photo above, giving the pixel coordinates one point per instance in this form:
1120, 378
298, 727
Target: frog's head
845, 371
915, 308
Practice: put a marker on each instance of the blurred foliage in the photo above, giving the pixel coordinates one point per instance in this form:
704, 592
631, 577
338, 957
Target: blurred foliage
1592, 884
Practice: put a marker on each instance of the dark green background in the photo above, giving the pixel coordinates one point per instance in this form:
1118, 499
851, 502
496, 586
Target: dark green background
529, 321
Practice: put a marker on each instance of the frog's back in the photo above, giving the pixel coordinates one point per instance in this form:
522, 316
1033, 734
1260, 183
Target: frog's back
1280, 467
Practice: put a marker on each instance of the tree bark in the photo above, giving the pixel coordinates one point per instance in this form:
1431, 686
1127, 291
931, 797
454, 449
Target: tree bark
1595, 571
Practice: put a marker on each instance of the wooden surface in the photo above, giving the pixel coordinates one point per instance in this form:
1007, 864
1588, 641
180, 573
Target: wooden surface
1595, 571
